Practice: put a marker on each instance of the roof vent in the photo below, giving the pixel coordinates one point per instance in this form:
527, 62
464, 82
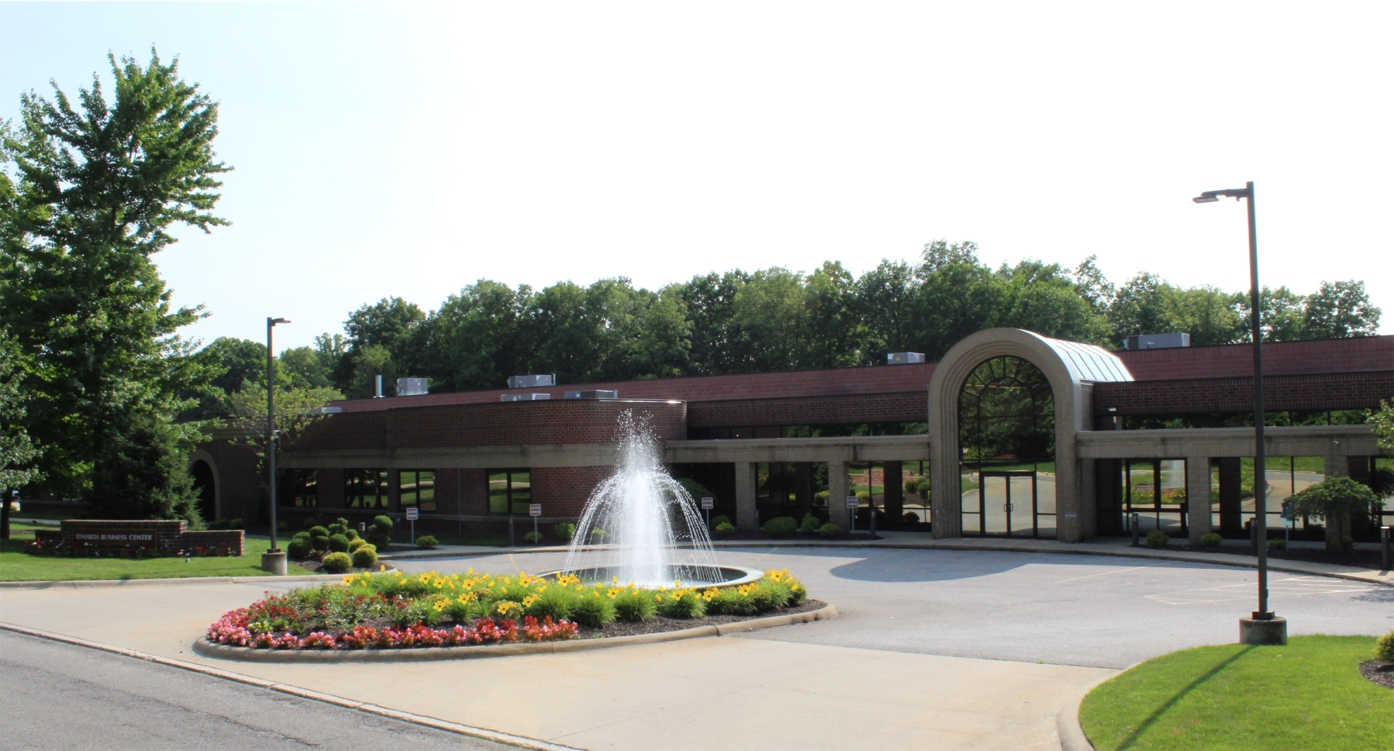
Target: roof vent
598, 394
524, 397
531, 381
904, 358
412, 387
1156, 341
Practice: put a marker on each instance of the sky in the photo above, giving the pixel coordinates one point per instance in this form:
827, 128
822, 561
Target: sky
411, 149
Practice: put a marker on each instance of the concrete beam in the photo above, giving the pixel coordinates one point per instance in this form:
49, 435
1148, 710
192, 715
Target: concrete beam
1197, 498
838, 513
1315, 440
746, 517
480, 457
882, 448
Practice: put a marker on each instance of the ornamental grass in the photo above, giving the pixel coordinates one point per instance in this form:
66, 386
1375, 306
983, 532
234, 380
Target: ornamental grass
392, 609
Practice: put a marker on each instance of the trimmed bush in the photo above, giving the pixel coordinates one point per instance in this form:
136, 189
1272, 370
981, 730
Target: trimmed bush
1277, 544
234, 523
720, 519
634, 605
724, 529
308, 523
366, 556
318, 531
379, 533
282, 527
1384, 648
911, 485
352, 534
565, 531
923, 487
910, 517
337, 563
356, 543
534, 538
829, 531
1157, 539
863, 496
218, 524
320, 543
810, 524
1211, 540
338, 543
780, 526
593, 611
427, 542
339, 527
298, 547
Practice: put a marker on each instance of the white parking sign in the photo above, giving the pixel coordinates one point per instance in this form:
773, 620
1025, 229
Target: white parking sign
852, 501
413, 513
534, 509
708, 504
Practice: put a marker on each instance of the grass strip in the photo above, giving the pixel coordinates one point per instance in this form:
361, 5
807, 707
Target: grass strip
16, 565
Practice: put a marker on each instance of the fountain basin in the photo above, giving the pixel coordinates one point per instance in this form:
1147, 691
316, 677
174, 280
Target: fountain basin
727, 576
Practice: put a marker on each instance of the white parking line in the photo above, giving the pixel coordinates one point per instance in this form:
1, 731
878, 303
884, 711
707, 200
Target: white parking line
1106, 573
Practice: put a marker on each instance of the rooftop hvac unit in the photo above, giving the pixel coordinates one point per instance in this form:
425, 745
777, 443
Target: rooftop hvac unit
904, 358
1156, 341
524, 397
412, 387
598, 394
531, 381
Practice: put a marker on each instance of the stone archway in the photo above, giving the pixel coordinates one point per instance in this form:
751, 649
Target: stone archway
205, 473
1068, 367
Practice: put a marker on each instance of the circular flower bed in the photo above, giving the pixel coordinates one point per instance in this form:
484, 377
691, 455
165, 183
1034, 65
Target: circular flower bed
393, 610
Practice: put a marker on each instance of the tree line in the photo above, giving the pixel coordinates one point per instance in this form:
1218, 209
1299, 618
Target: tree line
774, 320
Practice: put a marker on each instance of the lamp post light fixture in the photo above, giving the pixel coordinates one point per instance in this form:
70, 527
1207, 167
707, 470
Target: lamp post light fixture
273, 560
1262, 627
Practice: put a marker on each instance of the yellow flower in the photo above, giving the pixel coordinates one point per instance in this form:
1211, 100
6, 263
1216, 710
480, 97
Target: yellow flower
438, 583
614, 580
465, 599
348, 580
440, 605
425, 577
529, 600
658, 598
613, 592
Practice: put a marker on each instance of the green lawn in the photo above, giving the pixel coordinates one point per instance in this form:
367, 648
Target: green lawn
19, 566
1306, 695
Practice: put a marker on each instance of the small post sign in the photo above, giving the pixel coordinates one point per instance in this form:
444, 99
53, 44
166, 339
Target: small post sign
708, 503
535, 510
852, 504
413, 513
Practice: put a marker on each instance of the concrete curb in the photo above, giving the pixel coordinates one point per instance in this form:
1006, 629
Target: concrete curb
209, 649
430, 722
183, 580
1072, 737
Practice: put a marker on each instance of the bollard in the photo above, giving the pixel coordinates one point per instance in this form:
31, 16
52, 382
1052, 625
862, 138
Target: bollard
512, 543
872, 513
1133, 525
1386, 548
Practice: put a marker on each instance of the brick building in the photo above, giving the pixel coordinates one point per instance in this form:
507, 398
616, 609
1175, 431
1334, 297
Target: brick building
1010, 433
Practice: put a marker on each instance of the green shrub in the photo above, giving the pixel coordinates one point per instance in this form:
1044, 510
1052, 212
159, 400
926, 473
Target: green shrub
1384, 648
923, 487
558, 602
298, 547
863, 496
593, 611
318, 531
598, 536
352, 534
797, 592
534, 538
338, 543
780, 526
771, 595
911, 485
686, 606
427, 542
339, 527
337, 563
634, 605
235, 523
1347, 543
282, 527
1211, 540
365, 556
910, 517
1278, 544
724, 529
829, 531
720, 519
731, 601
379, 533
821, 497
218, 524
810, 524
319, 543
1157, 539
308, 523
356, 543
565, 531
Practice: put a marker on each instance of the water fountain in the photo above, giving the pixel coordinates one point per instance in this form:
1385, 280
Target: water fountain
641, 526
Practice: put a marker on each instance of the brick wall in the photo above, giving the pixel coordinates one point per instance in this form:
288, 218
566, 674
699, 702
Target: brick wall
563, 491
1199, 395
912, 406
239, 480
1279, 358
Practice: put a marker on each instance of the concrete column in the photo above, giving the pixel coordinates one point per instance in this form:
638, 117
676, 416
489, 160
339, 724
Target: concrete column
745, 497
837, 495
1197, 497
895, 493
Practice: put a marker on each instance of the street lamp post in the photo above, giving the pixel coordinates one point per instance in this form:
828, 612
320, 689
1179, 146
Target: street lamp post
1262, 627
273, 560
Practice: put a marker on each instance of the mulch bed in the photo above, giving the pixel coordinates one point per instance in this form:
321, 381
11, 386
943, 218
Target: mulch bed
315, 567
1378, 672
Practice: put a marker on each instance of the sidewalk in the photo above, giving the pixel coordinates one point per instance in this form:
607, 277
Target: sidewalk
919, 540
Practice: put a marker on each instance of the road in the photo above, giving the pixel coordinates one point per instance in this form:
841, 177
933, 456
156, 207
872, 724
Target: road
60, 696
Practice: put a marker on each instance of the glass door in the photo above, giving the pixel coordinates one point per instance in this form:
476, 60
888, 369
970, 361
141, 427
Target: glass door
1008, 503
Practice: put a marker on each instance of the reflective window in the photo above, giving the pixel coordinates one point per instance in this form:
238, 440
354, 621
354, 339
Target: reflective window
1006, 414
417, 487
510, 491
298, 487
365, 488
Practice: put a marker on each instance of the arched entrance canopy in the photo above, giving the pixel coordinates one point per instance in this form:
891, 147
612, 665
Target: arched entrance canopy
1067, 366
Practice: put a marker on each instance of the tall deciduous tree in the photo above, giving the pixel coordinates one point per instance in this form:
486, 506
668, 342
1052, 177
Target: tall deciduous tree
1338, 310
99, 188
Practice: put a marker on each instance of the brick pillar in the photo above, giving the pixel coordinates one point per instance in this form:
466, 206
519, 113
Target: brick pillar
838, 513
745, 497
1197, 497
895, 493
1231, 505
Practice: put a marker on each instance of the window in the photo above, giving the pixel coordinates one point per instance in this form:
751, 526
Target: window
417, 487
299, 487
510, 491
365, 488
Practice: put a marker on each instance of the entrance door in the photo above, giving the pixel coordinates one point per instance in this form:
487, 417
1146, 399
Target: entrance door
1008, 503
